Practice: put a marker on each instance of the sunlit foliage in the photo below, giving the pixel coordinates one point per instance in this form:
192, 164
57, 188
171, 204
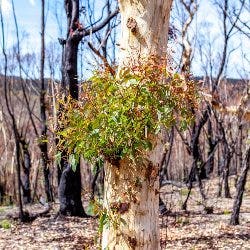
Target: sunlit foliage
118, 117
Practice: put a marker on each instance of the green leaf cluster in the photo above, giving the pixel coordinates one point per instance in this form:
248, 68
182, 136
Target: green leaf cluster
119, 117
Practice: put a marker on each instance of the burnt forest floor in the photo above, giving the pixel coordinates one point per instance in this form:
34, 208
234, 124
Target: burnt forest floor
179, 230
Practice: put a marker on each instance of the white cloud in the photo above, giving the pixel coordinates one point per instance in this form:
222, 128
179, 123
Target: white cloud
5, 6
32, 2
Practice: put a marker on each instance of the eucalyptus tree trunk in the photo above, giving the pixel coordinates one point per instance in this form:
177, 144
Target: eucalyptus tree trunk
133, 189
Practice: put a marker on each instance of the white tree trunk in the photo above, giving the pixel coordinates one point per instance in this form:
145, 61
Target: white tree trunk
132, 192
144, 29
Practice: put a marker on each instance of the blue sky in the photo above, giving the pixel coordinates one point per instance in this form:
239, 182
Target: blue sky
28, 17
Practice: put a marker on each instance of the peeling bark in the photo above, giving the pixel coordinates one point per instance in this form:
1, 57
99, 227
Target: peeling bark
138, 227
144, 27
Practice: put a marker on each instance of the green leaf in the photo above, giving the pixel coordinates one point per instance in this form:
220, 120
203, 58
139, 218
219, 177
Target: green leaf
73, 162
121, 116
102, 222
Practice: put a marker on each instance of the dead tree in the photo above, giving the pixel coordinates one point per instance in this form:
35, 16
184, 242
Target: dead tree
69, 189
43, 143
24, 150
240, 189
13, 122
228, 150
2, 193
26, 166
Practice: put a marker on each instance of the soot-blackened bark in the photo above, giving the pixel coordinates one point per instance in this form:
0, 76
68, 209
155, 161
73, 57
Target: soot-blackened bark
198, 167
70, 192
227, 156
162, 206
195, 145
75, 33
226, 176
71, 78
2, 194
26, 166
69, 189
44, 138
211, 146
240, 190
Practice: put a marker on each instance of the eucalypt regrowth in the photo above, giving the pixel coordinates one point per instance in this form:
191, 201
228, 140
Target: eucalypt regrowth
118, 117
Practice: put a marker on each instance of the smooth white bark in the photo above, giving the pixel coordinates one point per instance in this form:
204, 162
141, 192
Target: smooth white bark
144, 29
135, 187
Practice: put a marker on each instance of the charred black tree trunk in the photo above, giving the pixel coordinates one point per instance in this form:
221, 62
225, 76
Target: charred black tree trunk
164, 165
44, 138
194, 148
211, 146
198, 167
227, 156
225, 177
69, 189
26, 166
191, 179
18, 169
70, 192
240, 190
240, 148
94, 181
2, 194
69, 195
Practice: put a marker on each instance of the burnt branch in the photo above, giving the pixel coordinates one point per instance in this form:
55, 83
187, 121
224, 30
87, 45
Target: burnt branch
103, 58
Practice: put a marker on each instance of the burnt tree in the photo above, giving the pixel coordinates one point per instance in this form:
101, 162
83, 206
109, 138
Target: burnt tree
69, 189
24, 152
13, 121
2, 194
26, 166
44, 138
240, 190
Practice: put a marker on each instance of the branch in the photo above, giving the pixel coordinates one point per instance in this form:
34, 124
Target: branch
101, 25
103, 58
184, 140
79, 32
